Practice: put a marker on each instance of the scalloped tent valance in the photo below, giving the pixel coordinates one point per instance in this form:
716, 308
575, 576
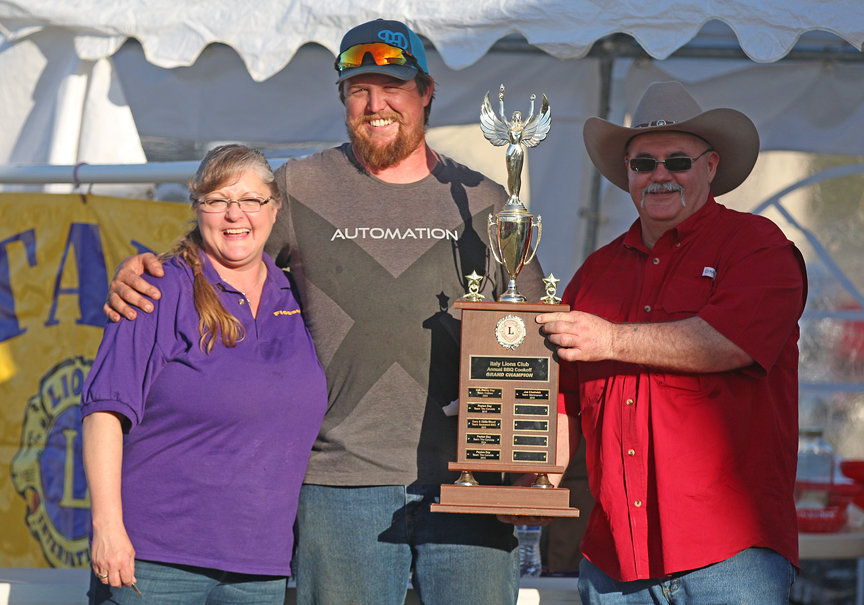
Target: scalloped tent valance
268, 33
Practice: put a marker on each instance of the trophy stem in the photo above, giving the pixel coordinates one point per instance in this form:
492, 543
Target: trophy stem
511, 295
542, 481
466, 478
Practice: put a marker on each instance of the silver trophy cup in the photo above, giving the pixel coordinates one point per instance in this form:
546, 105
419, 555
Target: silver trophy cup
510, 235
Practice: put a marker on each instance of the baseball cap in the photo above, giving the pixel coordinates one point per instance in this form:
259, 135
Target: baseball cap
383, 47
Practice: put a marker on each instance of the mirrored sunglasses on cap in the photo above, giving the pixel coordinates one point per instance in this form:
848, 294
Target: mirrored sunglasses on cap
382, 54
676, 164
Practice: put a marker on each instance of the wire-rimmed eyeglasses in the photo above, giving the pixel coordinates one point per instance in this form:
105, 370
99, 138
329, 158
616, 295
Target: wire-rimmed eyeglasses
248, 204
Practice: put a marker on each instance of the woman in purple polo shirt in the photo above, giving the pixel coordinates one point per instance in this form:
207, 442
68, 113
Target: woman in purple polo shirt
199, 416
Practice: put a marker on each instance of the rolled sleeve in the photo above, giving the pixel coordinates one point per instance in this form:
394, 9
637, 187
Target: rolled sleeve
127, 362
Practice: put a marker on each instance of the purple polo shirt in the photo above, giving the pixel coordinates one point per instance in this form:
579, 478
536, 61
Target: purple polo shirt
217, 445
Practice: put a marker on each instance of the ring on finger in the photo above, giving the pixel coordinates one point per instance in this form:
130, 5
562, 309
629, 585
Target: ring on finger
102, 576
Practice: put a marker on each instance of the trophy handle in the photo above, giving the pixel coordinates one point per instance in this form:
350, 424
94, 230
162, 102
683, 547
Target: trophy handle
493, 237
539, 225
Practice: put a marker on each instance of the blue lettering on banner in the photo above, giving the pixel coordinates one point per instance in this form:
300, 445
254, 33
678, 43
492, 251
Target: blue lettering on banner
92, 275
9, 327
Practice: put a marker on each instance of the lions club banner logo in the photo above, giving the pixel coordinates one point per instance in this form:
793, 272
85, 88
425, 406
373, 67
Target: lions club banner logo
47, 471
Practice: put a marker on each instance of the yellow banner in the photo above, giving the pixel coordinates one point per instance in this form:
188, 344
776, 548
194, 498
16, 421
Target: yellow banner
57, 253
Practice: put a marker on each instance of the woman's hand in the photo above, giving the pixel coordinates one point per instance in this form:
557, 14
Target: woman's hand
113, 555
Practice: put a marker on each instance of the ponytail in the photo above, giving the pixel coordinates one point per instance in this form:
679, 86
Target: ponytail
213, 318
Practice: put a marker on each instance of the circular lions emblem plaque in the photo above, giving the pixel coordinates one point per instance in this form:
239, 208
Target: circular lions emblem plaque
47, 470
510, 331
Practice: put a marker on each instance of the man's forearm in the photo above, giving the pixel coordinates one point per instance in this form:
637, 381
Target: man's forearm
689, 345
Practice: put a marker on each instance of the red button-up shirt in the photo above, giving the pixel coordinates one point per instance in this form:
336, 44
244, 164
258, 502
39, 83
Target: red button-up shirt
689, 469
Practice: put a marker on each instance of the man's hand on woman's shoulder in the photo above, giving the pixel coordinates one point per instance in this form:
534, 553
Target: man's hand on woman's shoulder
128, 290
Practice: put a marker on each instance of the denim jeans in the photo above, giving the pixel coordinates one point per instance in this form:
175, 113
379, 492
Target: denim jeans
169, 584
755, 576
360, 544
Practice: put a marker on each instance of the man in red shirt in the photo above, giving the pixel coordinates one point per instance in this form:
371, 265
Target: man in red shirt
681, 355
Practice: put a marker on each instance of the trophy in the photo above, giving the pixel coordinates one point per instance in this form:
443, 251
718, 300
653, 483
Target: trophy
508, 377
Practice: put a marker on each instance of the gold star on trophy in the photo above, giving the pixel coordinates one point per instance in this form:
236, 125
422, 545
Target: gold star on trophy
551, 284
474, 282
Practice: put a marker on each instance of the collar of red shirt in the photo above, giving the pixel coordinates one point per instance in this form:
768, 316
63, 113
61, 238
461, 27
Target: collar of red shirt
688, 227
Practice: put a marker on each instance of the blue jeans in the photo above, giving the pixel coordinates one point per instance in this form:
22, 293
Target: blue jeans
359, 545
169, 584
755, 576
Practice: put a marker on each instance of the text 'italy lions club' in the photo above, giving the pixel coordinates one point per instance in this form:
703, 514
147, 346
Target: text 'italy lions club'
388, 233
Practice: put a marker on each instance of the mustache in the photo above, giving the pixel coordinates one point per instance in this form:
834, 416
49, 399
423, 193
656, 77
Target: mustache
389, 115
663, 188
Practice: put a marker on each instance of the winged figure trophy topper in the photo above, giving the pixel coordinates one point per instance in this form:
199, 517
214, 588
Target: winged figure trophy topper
511, 230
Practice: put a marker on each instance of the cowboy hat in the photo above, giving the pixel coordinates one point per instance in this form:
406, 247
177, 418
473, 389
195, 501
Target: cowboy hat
667, 106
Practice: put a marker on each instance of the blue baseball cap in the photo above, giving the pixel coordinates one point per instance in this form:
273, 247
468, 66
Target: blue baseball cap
392, 33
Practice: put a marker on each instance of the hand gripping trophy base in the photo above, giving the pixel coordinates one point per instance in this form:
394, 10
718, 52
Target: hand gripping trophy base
510, 234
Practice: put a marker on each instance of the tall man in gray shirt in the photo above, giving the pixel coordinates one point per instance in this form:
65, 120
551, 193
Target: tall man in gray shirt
379, 234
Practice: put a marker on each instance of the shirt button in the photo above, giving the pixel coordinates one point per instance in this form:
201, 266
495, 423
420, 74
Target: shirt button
629, 402
655, 260
677, 244
637, 503
647, 308
631, 452
241, 301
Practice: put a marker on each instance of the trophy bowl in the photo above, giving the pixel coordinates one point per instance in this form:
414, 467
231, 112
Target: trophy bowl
511, 233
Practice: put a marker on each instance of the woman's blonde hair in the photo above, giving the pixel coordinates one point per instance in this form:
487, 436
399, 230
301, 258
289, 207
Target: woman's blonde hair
221, 165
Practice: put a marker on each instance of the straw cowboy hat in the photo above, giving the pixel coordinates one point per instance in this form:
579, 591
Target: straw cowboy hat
667, 106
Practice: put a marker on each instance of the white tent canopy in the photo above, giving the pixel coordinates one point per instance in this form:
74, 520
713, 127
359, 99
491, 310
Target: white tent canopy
268, 33
89, 81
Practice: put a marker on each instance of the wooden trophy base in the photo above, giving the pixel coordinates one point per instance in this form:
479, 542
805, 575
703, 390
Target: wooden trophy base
508, 412
506, 500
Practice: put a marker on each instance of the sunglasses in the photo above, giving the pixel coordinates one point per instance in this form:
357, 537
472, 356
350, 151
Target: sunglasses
382, 54
681, 164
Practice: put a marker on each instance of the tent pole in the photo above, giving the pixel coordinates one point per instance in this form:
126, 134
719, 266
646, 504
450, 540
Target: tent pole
591, 212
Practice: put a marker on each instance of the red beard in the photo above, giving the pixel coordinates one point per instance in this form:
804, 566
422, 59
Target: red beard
377, 155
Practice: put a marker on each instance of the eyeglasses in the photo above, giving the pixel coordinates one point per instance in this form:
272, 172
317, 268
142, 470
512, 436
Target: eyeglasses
680, 164
382, 54
247, 204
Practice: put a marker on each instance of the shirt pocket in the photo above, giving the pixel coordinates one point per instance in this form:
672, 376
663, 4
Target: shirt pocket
685, 296
690, 389
611, 306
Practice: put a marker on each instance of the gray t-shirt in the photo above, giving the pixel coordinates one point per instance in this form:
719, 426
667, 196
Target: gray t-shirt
378, 267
